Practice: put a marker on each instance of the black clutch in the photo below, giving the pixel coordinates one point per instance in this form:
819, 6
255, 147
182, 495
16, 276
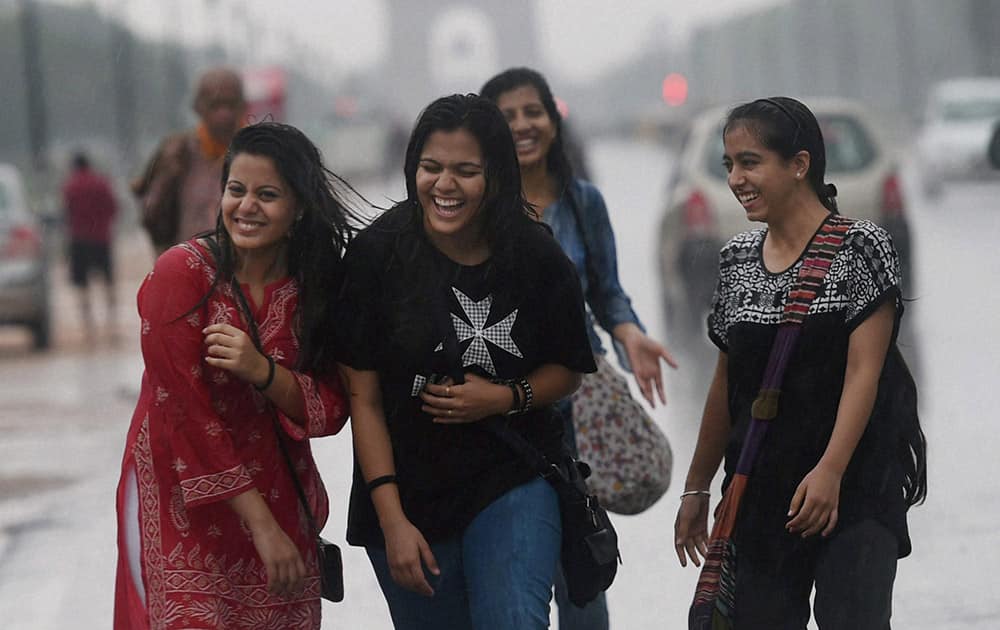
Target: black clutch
331, 570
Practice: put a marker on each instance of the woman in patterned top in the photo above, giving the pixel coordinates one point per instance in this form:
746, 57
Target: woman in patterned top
211, 532
844, 459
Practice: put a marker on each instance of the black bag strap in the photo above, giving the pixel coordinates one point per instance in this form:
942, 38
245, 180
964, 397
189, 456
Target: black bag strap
255, 336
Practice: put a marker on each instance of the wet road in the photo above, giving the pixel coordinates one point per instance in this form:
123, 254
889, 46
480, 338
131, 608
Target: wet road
63, 417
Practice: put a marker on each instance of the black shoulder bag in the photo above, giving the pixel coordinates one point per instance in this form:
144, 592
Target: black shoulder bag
589, 553
331, 564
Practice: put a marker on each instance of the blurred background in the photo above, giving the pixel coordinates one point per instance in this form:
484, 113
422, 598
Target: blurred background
907, 93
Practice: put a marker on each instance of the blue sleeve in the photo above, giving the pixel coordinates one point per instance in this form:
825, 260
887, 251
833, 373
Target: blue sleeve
608, 301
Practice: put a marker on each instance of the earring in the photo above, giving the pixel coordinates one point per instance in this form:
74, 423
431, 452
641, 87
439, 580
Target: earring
799, 175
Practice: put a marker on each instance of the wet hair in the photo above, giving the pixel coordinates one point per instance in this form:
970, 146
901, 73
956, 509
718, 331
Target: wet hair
786, 126
322, 230
557, 161
507, 218
505, 211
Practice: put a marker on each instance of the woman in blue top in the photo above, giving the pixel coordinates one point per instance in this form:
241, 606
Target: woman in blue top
524, 97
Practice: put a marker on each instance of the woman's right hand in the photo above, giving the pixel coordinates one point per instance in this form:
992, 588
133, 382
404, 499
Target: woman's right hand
286, 571
691, 529
407, 552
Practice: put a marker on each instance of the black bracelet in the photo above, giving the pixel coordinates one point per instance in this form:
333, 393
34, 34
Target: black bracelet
380, 481
515, 405
270, 374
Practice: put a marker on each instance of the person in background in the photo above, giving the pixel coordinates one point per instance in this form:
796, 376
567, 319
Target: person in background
844, 457
459, 309
90, 208
178, 190
239, 375
524, 97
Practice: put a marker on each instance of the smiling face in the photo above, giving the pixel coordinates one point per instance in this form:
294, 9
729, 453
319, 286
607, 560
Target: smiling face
761, 179
451, 186
258, 206
533, 129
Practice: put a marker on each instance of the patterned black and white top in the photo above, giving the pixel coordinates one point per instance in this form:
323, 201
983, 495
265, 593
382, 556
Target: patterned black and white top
866, 267
748, 305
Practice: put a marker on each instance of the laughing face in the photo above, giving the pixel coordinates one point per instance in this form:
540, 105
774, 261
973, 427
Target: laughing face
533, 128
451, 186
761, 179
258, 206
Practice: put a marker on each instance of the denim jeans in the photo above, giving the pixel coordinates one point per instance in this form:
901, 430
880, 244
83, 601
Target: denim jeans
496, 576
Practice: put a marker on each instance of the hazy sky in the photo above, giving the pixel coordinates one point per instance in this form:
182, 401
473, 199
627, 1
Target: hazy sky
577, 38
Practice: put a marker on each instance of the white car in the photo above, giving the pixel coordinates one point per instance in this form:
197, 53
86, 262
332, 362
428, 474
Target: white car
958, 121
24, 297
702, 213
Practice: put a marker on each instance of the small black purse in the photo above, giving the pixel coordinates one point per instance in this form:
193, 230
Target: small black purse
590, 555
331, 570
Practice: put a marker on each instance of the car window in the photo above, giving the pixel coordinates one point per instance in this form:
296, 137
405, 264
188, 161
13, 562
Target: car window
4, 201
973, 109
848, 146
716, 149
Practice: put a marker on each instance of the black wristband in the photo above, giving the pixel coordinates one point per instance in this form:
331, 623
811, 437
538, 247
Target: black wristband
380, 481
515, 405
270, 374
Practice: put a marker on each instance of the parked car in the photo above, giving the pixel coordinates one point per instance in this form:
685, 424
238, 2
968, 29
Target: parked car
958, 121
702, 213
24, 295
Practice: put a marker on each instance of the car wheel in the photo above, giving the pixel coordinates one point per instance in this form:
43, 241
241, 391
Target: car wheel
41, 333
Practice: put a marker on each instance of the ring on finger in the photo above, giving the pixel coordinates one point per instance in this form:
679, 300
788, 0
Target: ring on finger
449, 412
447, 390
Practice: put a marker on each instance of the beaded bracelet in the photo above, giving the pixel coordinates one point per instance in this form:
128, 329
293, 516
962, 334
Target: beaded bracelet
270, 374
528, 394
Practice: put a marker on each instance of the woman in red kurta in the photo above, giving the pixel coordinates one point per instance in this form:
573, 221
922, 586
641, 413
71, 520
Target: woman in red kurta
211, 530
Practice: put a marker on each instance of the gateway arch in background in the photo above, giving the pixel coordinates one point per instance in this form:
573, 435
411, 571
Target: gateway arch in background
439, 47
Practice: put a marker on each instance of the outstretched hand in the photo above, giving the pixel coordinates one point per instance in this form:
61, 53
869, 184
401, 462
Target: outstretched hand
644, 353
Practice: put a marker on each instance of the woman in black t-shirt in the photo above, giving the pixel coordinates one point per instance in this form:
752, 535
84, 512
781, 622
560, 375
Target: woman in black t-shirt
825, 504
459, 307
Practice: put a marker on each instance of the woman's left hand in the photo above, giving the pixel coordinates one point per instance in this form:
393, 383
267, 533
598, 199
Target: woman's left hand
232, 349
471, 401
644, 354
814, 506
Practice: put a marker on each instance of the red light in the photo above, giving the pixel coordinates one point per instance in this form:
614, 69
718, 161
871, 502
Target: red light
892, 198
345, 106
675, 89
24, 242
697, 214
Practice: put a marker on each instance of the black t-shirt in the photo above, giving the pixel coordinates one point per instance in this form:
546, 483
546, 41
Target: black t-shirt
748, 306
397, 291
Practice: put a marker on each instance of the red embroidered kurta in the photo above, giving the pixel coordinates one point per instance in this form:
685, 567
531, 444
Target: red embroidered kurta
200, 436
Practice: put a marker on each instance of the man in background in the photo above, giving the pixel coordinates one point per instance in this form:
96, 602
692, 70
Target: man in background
179, 191
90, 212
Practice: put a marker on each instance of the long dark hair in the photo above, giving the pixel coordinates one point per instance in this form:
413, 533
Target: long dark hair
786, 126
507, 219
317, 240
505, 212
557, 161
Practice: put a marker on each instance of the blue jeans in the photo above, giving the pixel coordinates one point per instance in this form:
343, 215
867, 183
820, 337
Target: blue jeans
593, 616
496, 576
